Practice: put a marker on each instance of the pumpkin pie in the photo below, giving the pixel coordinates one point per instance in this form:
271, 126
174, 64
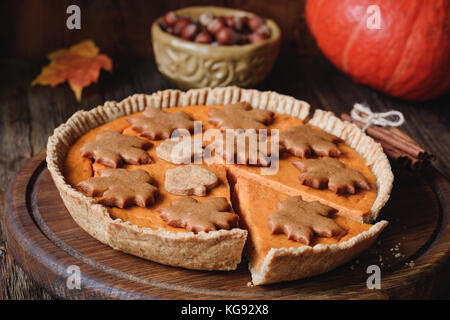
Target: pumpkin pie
294, 218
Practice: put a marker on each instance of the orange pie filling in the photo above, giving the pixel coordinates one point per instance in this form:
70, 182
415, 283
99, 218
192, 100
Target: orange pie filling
255, 195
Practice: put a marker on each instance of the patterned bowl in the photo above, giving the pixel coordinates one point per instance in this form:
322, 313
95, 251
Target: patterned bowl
192, 65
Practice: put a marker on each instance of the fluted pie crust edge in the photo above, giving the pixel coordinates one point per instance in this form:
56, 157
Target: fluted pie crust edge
216, 250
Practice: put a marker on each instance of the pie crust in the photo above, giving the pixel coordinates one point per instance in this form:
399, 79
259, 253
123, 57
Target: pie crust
216, 250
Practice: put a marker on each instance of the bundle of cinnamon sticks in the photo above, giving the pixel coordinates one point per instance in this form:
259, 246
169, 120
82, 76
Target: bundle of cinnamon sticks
396, 144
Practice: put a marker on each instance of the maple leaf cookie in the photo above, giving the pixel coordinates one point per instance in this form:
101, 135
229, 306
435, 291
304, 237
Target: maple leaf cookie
332, 174
121, 188
301, 220
303, 141
245, 148
112, 149
240, 116
156, 124
209, 215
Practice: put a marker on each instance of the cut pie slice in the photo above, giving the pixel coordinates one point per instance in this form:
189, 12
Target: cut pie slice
275, 258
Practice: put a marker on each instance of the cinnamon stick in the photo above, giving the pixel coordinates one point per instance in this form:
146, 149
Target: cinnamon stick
385, 135
397, 144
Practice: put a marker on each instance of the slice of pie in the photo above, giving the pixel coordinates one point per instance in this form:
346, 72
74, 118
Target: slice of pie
274, 258
123, 171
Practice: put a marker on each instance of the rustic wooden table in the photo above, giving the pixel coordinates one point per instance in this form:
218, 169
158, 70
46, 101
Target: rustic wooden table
29, 115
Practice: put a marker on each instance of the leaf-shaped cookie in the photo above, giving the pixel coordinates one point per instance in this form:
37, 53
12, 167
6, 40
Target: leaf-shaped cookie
121, 188
240, 116
157, 124
190, 180
332, 174
301, 220
246, 148
303, 141
178, 151
209, 215
113, 148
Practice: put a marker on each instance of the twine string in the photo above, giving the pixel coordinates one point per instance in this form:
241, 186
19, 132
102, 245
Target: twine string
364, 114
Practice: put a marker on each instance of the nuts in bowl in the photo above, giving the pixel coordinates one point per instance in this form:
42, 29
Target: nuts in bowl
212, 46
208, 28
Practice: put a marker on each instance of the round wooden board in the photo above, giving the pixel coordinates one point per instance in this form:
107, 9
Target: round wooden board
46, 242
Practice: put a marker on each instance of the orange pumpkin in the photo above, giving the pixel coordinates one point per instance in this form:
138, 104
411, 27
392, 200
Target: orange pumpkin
408, 56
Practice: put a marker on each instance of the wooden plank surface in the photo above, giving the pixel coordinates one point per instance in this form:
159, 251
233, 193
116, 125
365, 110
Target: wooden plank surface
412, 253
29, 115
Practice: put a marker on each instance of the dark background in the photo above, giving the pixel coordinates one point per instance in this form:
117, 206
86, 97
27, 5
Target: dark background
33, 28
30, 29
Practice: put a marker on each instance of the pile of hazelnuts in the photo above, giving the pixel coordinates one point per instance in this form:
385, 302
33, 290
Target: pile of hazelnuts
211, 29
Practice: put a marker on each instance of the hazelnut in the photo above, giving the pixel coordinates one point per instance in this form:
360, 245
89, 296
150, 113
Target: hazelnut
255, 22
243, 39
215, 26
170, 18
229, 21
203, 37
255, 38
227, 36
180, 24
240, 22
205, 18
264, 31
189, 32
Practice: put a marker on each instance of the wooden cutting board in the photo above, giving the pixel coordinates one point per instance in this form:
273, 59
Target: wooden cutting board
47, 243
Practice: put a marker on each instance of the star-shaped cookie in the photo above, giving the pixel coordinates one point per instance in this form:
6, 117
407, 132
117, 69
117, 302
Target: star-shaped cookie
121, 188
332, 174
209, 215
301, 220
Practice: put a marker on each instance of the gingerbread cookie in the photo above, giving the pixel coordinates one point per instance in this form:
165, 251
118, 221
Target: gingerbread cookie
156, 124
190, 180
179, 151
303, 141
332, 174
112, 149
121, 188
301, 220
209, 215
240, 116
245, 148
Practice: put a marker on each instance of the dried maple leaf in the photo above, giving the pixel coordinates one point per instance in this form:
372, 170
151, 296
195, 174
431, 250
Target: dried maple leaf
300, 220
80, 65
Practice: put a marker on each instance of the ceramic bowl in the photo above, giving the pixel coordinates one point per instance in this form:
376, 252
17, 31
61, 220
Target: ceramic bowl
192, 65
